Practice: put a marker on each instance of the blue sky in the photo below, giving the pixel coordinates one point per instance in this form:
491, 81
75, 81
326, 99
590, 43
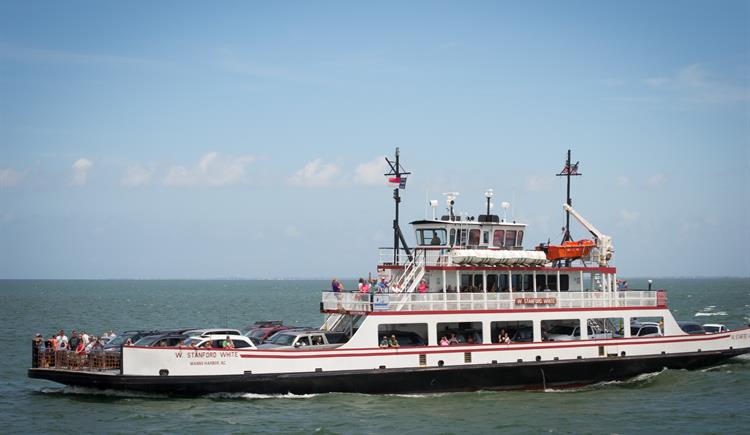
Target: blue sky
187, 140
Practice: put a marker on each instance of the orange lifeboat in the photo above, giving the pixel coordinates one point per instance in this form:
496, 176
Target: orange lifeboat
570, 250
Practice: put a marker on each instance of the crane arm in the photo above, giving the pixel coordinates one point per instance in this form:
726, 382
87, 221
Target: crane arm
586, 224
603, 242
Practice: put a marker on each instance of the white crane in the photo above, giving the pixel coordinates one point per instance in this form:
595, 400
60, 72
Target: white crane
603, 241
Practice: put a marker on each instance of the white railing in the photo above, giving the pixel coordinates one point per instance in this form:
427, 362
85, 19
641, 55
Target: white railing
362, 303
431, 257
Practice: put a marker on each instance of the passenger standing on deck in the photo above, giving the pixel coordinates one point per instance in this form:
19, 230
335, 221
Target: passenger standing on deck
382, 285
363, 287
422, 288
227, 344
335, 286
74, 340
444, 341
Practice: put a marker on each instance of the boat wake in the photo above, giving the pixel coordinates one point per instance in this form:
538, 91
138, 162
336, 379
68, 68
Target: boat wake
254, 396
636, 381
718, 313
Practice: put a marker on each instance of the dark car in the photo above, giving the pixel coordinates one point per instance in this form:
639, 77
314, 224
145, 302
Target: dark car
169, 340
692, 327
121, 338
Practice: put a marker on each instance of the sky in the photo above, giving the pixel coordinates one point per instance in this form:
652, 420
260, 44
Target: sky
247, 139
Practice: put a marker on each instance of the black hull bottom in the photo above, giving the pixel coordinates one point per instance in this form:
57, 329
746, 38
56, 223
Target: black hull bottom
526, 375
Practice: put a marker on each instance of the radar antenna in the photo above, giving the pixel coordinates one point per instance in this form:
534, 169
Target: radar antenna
397, 177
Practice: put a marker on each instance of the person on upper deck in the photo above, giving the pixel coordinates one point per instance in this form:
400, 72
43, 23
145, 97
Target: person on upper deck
382, 285
444, 341
335, 286
363, 287
453, 340
422, 287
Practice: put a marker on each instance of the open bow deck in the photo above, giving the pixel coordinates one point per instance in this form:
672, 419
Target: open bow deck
467, 308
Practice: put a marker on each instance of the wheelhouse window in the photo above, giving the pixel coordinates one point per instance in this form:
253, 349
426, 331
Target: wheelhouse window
474, 237
519, 239
510, 238
498, 238
485, 237
431, 236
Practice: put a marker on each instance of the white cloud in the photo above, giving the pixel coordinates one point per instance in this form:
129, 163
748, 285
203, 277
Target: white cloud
81, 169
212, 170
316, 174
657, 180
623, 181
694, 83
371, 173
629, 216
292, 232
536, 183
9, 177
136, 175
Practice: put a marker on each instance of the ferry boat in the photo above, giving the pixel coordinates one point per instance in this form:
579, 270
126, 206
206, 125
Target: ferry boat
466, 308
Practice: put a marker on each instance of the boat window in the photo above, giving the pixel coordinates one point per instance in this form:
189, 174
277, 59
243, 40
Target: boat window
302, 341
561, 330
492, 283
465, 283
431, 236
498, 238
519, 239
473, 237
485, 237
462, 237
407, 334
510, 238
601, 329
518, 331
478, 281
452, 237
516, 280
564, 282
460, 332
502, 282
528, 283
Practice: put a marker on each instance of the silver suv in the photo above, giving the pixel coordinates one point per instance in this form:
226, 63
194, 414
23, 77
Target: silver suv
304, 339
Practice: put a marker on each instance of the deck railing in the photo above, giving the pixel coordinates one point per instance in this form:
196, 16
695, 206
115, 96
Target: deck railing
362, 303
70, 360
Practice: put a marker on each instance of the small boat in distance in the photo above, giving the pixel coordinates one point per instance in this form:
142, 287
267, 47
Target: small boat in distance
465, 308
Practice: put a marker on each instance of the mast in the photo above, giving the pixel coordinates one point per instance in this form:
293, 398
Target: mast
568, 171
397, 176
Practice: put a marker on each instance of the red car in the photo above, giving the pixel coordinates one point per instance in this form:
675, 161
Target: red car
261, 330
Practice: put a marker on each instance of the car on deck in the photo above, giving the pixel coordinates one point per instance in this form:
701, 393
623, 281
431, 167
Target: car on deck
216, 341
713, 328
304, 339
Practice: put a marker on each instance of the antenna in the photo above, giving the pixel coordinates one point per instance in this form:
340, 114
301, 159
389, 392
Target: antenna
397, 177
568, 171
488, 194
450, 199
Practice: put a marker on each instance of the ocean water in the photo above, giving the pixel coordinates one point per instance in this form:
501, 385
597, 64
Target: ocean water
715, 400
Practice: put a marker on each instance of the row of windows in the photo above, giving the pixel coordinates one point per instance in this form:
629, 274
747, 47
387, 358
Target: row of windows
521, 282
473, 237
456, 333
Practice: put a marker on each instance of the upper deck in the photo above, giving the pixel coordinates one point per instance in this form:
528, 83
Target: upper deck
356, 303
